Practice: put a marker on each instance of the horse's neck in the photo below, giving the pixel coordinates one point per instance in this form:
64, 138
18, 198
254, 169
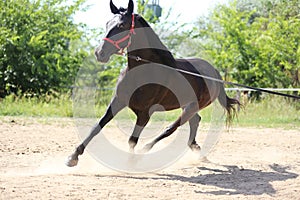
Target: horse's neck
147, 45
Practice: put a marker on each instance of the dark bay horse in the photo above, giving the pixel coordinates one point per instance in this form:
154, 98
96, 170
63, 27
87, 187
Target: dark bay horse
146, 86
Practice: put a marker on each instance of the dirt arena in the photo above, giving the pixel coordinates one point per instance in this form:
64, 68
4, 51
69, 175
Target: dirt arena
247, 163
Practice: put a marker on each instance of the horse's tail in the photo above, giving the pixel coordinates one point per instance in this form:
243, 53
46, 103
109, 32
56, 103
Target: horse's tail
228, 104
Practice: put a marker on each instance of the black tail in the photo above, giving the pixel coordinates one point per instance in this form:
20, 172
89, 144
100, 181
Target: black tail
228, 104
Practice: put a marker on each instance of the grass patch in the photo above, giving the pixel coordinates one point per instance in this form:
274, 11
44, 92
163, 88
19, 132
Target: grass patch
269, 112
48, 106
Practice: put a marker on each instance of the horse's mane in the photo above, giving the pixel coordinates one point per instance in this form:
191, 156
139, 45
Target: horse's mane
142, 20
153, 38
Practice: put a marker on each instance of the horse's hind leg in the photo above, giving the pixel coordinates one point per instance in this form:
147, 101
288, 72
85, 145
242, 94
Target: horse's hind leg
114, 107
194, 123
188, 112
141, 121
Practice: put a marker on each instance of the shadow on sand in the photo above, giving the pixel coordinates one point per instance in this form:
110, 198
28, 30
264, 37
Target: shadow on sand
235, 180
231, 180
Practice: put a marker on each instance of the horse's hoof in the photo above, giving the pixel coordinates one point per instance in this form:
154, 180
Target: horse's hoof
131, 150
70, 162
195, 148
147, 148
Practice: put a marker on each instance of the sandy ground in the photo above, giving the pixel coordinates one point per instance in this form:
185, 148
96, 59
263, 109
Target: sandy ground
247, 163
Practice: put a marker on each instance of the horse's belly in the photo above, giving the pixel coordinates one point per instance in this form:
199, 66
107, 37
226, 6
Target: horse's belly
150, 96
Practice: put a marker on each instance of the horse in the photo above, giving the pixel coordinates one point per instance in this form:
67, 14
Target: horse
150, 83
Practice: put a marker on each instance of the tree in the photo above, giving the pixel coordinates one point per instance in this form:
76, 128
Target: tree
35, 46
146, 10
249, 46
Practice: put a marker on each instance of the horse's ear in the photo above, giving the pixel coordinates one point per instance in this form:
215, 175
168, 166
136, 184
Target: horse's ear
130, 7
113, 8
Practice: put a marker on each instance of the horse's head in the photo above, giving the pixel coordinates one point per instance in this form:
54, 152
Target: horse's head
118, 32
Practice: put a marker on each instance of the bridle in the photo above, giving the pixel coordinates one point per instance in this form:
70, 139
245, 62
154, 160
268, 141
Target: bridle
127, 37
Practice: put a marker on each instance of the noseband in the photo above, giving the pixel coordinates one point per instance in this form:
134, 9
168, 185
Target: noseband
127, 37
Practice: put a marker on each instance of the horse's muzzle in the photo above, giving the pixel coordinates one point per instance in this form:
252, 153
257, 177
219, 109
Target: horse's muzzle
101, 56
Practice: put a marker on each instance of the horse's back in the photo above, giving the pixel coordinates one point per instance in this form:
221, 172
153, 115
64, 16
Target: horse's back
198, 66
204, 68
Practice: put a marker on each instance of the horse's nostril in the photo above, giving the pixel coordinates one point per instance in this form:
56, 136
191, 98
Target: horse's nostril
102, 54
99, 53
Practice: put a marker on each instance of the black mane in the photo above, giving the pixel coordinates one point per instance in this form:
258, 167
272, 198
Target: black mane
143, 22
155, 47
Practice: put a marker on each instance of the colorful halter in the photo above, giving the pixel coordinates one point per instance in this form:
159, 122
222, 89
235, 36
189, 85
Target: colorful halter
127, 37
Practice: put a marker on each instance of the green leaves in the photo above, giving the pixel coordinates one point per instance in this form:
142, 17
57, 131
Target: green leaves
254, 46
35, 38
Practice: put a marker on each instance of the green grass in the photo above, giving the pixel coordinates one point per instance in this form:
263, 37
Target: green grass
269, 112
47, 106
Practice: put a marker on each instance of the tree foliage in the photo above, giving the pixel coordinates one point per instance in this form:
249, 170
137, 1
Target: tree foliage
36, 37
255, 42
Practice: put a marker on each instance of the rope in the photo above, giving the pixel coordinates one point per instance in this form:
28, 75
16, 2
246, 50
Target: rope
138, 59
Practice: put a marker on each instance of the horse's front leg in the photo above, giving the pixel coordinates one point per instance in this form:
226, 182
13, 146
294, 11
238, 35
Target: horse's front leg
114, 107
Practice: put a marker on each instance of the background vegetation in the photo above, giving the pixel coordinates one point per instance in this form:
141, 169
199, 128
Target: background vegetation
269, 112
255, 42
36, 54
42, 51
